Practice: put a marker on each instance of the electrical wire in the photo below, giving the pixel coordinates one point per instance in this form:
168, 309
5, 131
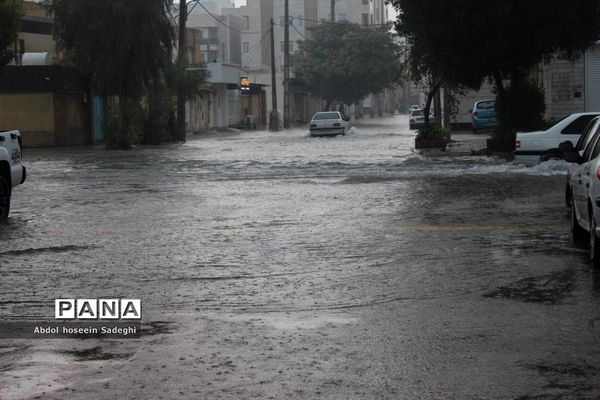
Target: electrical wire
219, 20
255, 50
291, 23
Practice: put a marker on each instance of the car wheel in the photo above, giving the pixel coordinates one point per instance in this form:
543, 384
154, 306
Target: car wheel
594, 250
577, 232
4, 198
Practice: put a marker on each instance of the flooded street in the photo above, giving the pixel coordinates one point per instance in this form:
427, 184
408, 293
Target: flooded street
276, 265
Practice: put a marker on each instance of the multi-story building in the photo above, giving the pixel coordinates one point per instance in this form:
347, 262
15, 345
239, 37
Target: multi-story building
363, 12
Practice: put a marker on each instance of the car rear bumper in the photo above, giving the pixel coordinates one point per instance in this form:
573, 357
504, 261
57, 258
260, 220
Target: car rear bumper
527, 156
326, 131
484, 123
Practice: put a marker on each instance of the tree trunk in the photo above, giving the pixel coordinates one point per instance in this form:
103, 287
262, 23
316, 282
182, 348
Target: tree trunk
327, 105
499, 83
434, 89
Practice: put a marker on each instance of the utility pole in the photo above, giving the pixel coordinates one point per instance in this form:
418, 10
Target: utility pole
181, 55
286, 66
332, 10
274, 116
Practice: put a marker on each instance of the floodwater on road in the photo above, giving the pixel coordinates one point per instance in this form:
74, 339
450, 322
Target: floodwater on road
277, 265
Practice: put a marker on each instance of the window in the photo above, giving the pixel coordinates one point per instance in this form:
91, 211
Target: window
486, 105
590, 146
365, 19
587, 133
283, 46
577, 126
596, 151
246, 47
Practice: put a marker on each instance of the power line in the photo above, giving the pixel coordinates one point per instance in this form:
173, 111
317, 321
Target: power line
223, 23
296, 29
255, 50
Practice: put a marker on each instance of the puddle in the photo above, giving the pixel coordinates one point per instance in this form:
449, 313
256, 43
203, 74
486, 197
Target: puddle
547, 289
94, 354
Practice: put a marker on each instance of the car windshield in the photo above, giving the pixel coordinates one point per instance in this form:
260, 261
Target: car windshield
486, 105
329, 115
417, 113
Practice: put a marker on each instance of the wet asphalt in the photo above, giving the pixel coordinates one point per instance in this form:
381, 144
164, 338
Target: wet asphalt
276, 265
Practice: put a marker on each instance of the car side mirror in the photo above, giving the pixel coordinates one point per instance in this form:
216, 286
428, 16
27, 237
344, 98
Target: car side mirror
566, 147
572, 157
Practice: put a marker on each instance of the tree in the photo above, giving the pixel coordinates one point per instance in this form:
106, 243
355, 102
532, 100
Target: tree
125, 46
10, 21
463, 45
346, 62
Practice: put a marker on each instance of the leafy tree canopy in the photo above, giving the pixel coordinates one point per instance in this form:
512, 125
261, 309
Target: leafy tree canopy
462, 43
123, 44
10, 21
346, 62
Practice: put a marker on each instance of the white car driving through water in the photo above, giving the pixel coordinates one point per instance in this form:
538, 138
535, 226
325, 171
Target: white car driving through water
329, 123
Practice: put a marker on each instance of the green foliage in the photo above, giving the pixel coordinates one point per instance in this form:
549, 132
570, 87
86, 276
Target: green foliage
346, 62
432, 136
520, 107
124, 45
11, 12
159, 121
461, 45
434, 131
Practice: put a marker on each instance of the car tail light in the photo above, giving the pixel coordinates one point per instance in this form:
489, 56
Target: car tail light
313, 125
336, 124
475, 113
517, 144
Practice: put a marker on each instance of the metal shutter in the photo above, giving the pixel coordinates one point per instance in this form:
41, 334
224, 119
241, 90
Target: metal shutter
592, 79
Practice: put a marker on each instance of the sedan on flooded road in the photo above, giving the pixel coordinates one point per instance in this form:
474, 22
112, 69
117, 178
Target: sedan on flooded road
273, 265
329, 123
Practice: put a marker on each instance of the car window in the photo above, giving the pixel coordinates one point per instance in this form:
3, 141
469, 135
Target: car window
596, 151
590, 146
577, 126
417, 113
322, 116
486, 105
587, 132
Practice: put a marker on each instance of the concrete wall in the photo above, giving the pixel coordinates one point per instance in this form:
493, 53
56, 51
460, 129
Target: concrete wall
32, 114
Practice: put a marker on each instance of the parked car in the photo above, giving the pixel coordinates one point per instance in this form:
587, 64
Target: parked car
12, 172
483, 115
416, 119
588, 134
329, 123
585, 193
533, 147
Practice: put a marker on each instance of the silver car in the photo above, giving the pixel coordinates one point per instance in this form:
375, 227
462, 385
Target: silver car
584, 179
329, 123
